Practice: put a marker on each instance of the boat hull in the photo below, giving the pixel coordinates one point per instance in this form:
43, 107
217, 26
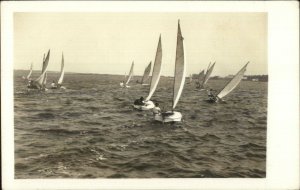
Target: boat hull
148, 105
173, 117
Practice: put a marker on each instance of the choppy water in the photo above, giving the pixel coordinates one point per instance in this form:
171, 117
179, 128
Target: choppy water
90, 130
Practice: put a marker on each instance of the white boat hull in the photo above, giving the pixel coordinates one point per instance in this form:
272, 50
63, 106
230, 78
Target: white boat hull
148, 105
175, 117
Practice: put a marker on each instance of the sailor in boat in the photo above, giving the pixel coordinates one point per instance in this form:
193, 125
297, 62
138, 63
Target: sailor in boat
53, 85
33, 85
156, 110
211, 96
122, 84
139, 101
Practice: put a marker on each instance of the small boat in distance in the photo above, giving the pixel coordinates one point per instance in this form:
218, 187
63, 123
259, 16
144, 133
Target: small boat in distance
29, 74
206, 76
148, 104
179, 80
130, 75
61, 76
230, 86
200, 78
146, 75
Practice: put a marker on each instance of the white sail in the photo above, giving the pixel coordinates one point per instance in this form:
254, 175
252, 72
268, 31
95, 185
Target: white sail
156, 70
201, 76
43, 66
179, 75
146, 73
191, 78
208, 73
40, 79
62, 71
30, 72
232, 83
45, 80
130, 73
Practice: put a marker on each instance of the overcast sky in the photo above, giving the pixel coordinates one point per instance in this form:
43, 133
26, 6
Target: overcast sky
108, 42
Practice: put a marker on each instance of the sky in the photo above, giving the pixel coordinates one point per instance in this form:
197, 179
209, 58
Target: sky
107, 43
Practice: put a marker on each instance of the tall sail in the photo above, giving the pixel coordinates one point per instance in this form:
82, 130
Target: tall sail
62, 71
30, 72
201, 76
232, 83
156, 70
40, 79
146, 73
130, 73
208, 73
179, 75
191, 78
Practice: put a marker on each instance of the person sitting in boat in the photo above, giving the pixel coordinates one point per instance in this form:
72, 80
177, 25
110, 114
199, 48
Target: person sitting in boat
139, 101
156, 109
33, 85
211, 96
122, 84
53, 85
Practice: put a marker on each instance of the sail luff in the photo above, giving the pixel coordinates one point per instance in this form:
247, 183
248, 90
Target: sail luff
62, 71
156, 71
146, 73
30, 72
232, 84
179, 75
130, 73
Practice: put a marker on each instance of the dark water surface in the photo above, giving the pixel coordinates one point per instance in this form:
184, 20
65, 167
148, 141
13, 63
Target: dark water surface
90, 130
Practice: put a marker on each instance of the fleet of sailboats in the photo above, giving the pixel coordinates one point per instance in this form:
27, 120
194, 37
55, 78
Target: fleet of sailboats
178, 82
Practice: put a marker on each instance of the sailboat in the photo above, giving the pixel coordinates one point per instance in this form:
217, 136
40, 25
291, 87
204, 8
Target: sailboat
39, 82
200, 78
130, 75
148, 104
29, 74
61, 76
207, 75
179, 80
146, 74
230, 86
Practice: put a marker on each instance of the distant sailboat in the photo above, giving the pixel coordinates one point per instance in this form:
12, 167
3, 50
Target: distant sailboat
207, 75
146, 74
190, 78
39, 82
179, 80
29, 74
231, 85
148, 104
61, 76
45, 77
130, 75
200, 78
